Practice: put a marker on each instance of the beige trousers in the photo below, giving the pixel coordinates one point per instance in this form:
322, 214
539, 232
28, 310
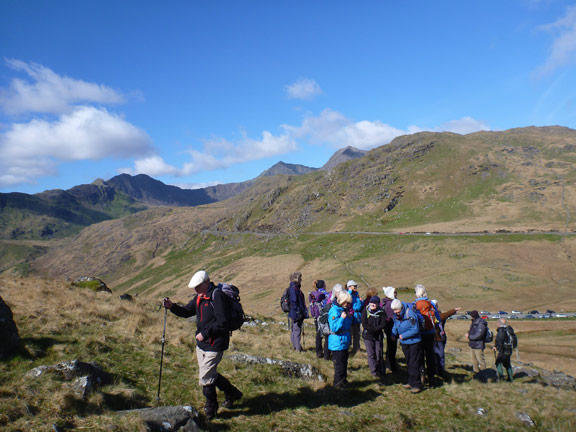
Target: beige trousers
478, 362
207, 366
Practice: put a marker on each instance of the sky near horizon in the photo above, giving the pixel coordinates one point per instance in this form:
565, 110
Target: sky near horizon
195, 93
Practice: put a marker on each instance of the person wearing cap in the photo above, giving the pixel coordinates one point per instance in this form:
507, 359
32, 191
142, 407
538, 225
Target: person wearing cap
212, 339
440, 340
298, 311
407, 331
476, 335
390, 294
356, 313
373, 322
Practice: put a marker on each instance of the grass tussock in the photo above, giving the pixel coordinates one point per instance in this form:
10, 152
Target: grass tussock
58, 323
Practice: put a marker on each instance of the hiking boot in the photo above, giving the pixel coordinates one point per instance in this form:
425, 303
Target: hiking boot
231, 398
415, 390
406, 386
211, 406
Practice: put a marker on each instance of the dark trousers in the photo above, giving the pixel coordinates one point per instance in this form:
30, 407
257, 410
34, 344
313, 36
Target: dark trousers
321, 351
440, 357
504, 359
296, 334
391, 348
374, 354
355, 333
413, 354
340, 359
428, 348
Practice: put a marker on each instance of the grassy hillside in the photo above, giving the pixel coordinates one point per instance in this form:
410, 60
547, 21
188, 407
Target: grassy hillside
60, 323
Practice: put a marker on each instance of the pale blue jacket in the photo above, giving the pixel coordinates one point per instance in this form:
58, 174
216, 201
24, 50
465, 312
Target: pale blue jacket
339, 338
407, 326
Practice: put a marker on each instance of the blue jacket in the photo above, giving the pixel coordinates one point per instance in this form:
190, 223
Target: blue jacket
356, 306
407, 326
339, 339
298, 310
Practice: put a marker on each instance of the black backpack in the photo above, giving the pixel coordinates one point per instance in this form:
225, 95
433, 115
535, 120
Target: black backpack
510, 342
285, 301
236, 316
489, 337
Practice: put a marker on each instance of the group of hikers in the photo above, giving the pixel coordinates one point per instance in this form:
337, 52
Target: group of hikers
341, 317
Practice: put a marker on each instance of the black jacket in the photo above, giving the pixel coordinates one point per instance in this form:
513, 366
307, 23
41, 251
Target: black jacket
373, 323
210, 315
477, 333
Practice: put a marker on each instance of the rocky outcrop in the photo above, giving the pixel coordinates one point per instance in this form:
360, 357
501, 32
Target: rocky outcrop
93, 283
87, 376
291, 369
9, 338
169, 418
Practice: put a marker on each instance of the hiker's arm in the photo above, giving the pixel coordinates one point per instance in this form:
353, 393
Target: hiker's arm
446, 315
184, 311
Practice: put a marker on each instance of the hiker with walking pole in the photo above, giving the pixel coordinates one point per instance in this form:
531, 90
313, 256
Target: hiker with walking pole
209, 305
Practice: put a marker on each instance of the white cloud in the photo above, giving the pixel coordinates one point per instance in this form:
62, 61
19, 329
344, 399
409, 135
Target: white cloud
33, 149
463, 126
334, 129
48, 92
304, 88
563, 48
329, 128
217, 153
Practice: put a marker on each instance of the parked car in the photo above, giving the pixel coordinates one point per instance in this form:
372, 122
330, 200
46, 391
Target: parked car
550, 311
529, 316
535, 312
461, 317
495, 317
561, 315
484, 313
503, 313
516, 312
542, 316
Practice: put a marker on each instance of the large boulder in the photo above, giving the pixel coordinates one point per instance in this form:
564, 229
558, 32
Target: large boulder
9, 338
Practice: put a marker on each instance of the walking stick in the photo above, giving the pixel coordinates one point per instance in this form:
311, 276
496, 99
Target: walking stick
162, 354
517, 355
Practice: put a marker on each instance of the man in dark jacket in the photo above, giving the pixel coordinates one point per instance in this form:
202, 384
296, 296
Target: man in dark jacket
505, 343
212, 339
476, 336
298, 311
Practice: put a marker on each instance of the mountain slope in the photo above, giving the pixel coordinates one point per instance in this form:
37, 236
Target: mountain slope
282, 168
343, 155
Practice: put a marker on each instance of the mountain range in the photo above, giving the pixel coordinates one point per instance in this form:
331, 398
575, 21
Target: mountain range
59, 213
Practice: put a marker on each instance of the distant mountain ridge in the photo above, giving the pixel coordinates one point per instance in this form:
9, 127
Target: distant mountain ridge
343, 155
59, 213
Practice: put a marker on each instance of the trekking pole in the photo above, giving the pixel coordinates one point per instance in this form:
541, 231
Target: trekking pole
517, 355
162, 354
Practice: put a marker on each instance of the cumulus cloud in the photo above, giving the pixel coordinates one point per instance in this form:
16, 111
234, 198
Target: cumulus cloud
563, 48
217, 153
33, 149
463, 126
334, 129
304, 89
47, 92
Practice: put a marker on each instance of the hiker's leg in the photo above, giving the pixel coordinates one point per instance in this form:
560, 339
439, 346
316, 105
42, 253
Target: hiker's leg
499, 367
319, 352
207, 366
371, 354
391, 348
327, 354
481, 360
428, 345
339, 367
474, 357
439, 356
380, 364
413, 354
296, 335
506, 363
355, 329
231, 392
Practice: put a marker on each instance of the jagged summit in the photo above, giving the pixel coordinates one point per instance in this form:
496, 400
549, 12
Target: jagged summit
343, 155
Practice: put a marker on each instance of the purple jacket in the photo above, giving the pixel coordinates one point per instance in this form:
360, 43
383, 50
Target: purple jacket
389, 315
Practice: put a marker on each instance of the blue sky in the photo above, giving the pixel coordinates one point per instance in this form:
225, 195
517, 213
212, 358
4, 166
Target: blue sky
195, 93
